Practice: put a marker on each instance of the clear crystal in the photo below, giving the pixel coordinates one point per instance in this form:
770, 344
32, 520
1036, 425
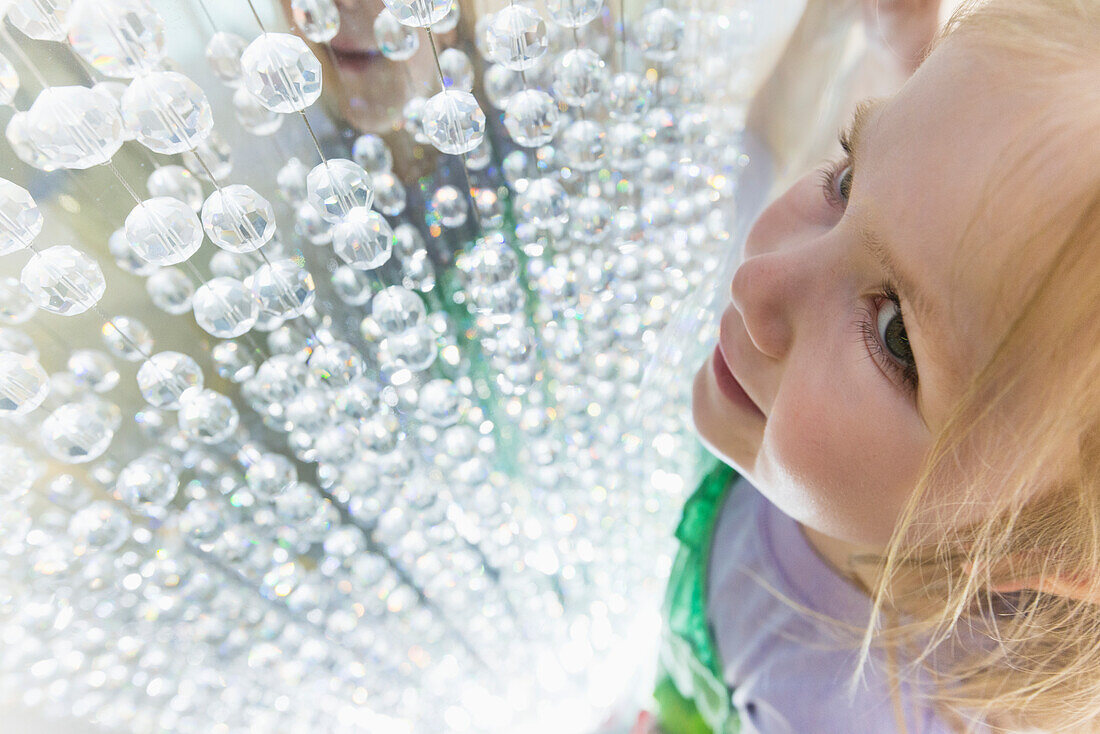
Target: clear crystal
319, 20
147, 481
238, 219
76, 433
281, 71
531, 118
284, 288
309, 223
337, 364
120, 38
125, 257
163, 230
364, 240
19, 137
291, 180
101, 526
573, 13
201, 520
225, 307
396, 41
629, 96
516, 37
414, 349
170, 290
580, 77
20, 219
223, 54
453, 122
14, 340
372, 153
419, 13
662, 32
93, 369
458, 71
336, 186
18, 471
253, 116
74, 127
63, 280
213, 154
9, 81
16, 304
23, 384
208, 416
232, 361
389, 194
449, 21
271, 475
176, 182
128, 338
396, 310
544, 203
450, 206
582, 144
167, 112
165, 376
500, 83
43, 20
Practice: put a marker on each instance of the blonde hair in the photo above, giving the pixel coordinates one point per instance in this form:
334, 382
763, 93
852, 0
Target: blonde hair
1025, 436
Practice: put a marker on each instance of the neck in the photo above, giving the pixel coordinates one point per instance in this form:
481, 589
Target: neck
838, 554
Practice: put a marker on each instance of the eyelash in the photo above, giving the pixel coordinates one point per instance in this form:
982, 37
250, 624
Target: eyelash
905, 375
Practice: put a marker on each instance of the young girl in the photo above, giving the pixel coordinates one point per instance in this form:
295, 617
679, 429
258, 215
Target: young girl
907, 379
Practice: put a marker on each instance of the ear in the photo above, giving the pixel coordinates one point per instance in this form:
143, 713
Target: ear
1082, 587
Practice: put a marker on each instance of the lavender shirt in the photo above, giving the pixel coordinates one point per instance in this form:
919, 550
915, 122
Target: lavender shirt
788, 673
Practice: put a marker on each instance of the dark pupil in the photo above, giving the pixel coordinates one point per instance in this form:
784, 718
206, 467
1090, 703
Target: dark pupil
896, 336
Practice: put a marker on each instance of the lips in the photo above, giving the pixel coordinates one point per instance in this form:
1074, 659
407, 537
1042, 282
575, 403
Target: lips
728, 381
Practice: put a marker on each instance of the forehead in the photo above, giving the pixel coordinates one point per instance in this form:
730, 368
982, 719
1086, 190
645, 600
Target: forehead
930, 172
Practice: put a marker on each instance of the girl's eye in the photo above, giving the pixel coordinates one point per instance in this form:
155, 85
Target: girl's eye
836, 183
885, 337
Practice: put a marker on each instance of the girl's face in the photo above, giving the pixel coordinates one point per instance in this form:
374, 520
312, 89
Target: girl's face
850, 387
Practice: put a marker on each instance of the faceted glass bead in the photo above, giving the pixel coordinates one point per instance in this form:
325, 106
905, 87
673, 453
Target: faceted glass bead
20, 219
74, 127
208, 416
9, 81
119, 38
336, 364
76, 433
450, 206
396, 310
291, 180
449, 21
101, 526
453, 122
147, 481
201, 520
352, 286
628, 96
18, 471
238, 219
165, 376
63, 280
413, 112
458, 72
419, 13
500, 83
580, 77
253, 116
43, 20
125, 257
127, 338
178, 183
284, 288
93, 369
13, 340
270, 476
336, 186
573, 13
309, 223
531, 118
364, 240
167, 112
582, 145
372, 153
281, 71
163, 230
16, 305
440, 403
223, 54
229, 265
396, 41
516, 37
170, 290
543, 203
232, 362
662, 32
480, 157
225, 307
590, 219
389, 194
319, 20
215, 153
19, 137
23, 384
414, 349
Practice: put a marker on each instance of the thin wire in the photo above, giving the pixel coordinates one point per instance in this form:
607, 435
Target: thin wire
316, 143
22, 56
209, 17
125, 184
256, 16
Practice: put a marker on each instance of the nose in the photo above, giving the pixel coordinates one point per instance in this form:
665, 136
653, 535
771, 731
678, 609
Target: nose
765, 289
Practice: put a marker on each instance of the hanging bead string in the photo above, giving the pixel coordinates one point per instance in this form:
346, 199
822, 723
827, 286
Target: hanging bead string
206, 12
14, 46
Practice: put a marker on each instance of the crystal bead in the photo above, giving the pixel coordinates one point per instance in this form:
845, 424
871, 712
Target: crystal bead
176, 182
336, 365
440, 403
396, 310
63, 280
419, 13
336, 186
16, 304
201, 520
233, 362
13, 340
147, 481
127, 338
309, 223
42, 20
75, 433
291, 180
590, 219
74, 127
229, 265
318, 20
480, 157
18, 471
9, 81
458, 72
628, 96
500, 83
223, 54
372, 153
352, 286
213, 154
531, 118
270, 476
662, 32
225, 307
163, 230
364, 240
253, 116
389, 194
20, 219
543, 203
580, 77
208, 416
516, 37
238, 219
450, 206
414, 349
449, 21
281, 71
284, 288
165, 376
93, 369
573, 13
23, 145
125, 257
119, 38
582, 145
453, 122
413, 112
101, 526
396, 41
23, 384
